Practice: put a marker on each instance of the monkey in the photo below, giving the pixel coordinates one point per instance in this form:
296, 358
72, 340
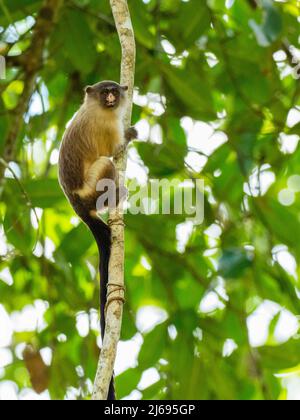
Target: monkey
94, 136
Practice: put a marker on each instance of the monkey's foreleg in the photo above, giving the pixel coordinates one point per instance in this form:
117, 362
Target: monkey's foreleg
130, 134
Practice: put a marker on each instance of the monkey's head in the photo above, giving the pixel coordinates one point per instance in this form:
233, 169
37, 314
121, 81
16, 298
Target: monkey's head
109, 95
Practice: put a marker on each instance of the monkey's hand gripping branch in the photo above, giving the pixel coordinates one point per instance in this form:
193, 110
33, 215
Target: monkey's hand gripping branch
116, 287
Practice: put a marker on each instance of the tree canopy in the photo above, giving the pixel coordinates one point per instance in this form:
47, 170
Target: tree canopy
212, 310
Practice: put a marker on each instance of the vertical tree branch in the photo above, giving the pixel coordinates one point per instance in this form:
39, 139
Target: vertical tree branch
31, 63
116, 266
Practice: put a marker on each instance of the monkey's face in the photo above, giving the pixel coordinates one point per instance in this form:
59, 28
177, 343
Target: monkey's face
109, 95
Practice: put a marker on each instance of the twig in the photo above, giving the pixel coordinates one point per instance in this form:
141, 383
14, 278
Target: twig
116, 266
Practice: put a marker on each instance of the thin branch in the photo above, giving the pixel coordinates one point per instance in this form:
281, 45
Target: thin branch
116, 266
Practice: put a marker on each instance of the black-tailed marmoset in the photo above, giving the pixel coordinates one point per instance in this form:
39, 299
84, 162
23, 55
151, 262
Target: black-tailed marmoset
94, 136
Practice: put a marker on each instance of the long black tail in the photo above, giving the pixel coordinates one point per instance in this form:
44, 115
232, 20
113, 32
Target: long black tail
102, 235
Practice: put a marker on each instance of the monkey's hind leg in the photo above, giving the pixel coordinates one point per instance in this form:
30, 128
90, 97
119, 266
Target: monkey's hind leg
109, 194
102, 169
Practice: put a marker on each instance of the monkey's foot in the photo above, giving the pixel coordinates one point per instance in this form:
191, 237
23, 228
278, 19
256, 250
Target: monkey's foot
130, 134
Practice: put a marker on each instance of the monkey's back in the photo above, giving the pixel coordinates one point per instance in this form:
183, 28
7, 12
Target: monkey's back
70, 164
91, 134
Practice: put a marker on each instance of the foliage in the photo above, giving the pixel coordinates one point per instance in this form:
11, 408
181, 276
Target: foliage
226, 64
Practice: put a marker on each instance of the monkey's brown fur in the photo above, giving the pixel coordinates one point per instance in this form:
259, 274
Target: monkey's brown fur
94, 136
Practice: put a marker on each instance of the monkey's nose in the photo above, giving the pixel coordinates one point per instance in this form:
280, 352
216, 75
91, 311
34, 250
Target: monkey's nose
111, 97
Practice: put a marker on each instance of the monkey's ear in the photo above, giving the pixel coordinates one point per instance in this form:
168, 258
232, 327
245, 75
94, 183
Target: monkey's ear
89, 89
125, 88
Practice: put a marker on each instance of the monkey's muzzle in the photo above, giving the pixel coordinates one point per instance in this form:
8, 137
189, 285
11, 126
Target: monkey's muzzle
111, 100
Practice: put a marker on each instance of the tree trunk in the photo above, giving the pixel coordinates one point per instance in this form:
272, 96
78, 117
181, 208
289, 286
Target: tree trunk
116, 220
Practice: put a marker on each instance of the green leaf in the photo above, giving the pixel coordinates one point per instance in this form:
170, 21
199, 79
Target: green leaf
282, 221
234, 262
77, 40
270, 29
153, 347
233, 328
191, 25
14, 10
193, 91
153, 392
277, 358
42, 193
18, 229
162, 161
127, 382
273, 21
75, 244
141, 24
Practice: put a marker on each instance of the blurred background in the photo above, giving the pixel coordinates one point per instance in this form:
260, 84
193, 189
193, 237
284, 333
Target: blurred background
212, 311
